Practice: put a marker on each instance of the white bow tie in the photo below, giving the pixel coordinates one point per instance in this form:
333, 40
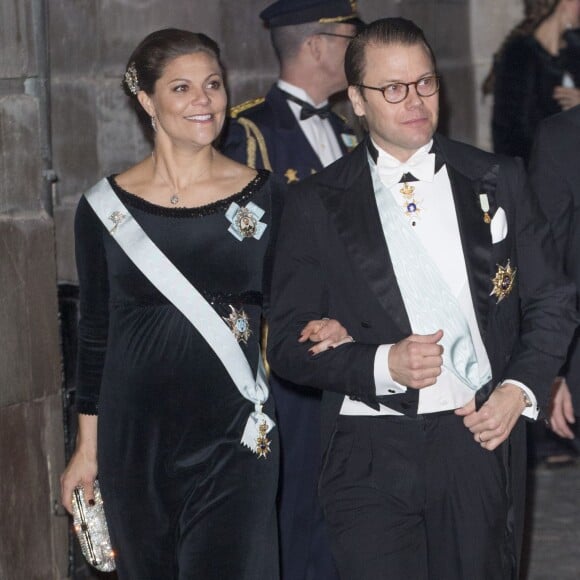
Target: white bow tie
421, 164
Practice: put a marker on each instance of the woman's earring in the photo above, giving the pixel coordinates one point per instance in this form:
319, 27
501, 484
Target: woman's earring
154, 124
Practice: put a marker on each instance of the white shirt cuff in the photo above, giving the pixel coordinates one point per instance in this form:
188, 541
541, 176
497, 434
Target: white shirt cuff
529, 412
384, 383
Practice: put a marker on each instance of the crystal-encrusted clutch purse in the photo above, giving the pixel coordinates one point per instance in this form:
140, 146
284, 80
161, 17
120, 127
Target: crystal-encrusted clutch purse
91, 529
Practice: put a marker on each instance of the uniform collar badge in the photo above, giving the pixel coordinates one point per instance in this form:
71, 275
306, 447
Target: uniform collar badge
350, 141
291, 175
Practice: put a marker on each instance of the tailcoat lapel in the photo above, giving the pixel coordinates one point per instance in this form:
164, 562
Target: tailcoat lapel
471, 174
476, 241
353, 210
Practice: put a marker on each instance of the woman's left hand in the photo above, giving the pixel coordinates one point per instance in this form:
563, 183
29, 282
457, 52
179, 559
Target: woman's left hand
567, 97
327, 333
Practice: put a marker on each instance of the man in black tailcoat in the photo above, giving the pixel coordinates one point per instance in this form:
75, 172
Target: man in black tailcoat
437, 260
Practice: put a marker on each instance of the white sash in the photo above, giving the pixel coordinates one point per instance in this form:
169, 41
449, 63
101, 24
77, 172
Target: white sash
429, 302
163, 274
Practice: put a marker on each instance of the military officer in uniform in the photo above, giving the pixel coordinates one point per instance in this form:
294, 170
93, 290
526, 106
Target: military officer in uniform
293, 132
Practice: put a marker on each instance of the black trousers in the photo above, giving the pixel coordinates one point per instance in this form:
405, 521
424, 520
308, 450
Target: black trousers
416, 499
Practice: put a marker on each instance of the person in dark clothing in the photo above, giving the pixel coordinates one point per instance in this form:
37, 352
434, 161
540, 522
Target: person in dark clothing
435, 257
535, 73
555, 177
175, 415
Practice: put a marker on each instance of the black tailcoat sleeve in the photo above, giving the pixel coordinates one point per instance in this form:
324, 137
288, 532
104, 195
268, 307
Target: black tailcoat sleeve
300, 293
555, 178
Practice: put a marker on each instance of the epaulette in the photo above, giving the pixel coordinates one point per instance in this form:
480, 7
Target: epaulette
235, 111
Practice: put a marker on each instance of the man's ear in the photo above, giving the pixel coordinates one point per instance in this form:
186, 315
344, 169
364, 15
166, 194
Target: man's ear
314, 46
356, 99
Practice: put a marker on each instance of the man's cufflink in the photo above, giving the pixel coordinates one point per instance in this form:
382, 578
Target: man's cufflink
526, 399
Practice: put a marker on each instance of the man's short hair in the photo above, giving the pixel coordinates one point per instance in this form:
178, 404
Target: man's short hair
287, 40
379, 33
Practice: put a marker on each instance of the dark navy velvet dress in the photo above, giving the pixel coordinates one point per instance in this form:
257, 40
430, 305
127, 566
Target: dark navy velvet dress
184, 499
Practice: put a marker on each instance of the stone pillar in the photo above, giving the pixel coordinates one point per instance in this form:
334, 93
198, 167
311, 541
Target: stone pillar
31, 440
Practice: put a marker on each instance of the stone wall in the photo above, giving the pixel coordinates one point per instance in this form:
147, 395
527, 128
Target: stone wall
34, 540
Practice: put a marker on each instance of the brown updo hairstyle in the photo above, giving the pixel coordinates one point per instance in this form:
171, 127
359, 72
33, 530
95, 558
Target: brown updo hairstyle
535, 12
148, 61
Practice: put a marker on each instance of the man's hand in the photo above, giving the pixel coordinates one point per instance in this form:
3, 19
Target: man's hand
416, 361
561, 409
567, 97
327, 333
493, 423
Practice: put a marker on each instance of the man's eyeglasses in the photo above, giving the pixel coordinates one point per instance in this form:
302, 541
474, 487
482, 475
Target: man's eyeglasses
349, 36
397, 92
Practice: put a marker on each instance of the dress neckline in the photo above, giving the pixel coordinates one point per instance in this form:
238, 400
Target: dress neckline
199, 211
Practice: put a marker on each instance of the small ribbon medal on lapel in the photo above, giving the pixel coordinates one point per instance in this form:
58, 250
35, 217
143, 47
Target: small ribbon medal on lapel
484, 202
503, 281
245, 221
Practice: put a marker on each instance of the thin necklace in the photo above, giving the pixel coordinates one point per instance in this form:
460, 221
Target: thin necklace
174, 199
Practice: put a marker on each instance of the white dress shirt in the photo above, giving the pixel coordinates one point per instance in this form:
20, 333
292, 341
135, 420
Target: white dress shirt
318, 132
437, 229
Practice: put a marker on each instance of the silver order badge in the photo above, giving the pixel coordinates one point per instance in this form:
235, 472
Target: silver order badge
239, 323
245, 221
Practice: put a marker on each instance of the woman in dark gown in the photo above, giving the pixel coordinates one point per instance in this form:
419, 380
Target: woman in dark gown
160, 419
536, 73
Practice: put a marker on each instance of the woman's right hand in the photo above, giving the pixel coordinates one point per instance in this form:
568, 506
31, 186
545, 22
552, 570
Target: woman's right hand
326, 332
81, 471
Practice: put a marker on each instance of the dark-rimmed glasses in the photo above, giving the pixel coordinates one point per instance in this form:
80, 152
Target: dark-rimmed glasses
397, 92
349, 36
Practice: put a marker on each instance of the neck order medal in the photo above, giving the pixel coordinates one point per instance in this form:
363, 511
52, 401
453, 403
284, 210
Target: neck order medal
410, 204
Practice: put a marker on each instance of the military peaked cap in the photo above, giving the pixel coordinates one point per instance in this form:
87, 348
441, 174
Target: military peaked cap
288, 12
